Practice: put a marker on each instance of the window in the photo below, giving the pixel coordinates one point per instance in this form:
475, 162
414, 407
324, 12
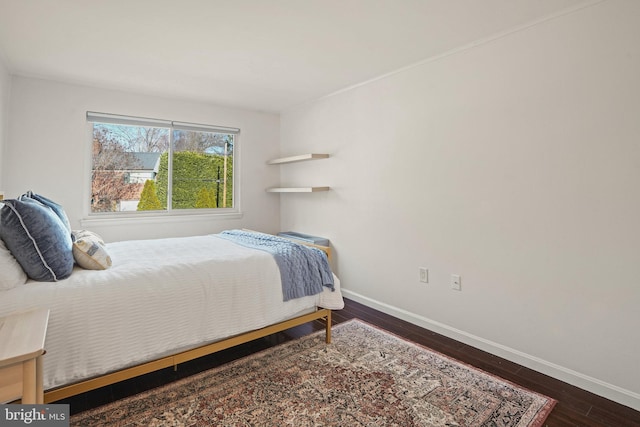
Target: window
140, 164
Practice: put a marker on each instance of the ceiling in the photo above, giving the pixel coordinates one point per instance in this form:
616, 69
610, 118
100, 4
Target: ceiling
265, 55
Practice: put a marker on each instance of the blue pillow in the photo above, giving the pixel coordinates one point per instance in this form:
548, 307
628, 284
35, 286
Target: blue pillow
56, 208
37, 238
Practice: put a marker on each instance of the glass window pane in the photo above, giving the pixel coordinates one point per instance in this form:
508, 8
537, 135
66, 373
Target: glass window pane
125, 165
202, 170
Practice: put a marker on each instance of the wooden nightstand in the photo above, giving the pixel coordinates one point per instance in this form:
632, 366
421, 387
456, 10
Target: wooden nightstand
21, 348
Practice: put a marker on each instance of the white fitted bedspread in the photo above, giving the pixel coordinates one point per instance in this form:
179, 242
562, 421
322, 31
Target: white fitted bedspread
159, 297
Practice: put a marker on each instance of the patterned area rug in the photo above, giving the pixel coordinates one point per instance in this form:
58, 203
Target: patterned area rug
366, 377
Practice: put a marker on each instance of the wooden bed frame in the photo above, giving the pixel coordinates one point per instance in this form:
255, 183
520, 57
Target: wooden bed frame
165, 362
62, 392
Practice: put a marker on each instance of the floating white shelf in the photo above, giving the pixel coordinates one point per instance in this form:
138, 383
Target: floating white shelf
296, 189
292, 159
300, 158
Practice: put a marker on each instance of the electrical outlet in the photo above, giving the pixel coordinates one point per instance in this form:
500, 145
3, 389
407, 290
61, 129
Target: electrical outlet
456, 282
424, 275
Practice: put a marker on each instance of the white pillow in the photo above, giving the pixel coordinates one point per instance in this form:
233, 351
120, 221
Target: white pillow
11, 274
89, 250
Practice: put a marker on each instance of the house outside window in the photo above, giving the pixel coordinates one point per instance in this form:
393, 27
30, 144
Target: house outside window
159, 166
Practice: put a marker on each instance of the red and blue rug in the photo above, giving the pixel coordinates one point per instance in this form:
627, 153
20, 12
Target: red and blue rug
365, 377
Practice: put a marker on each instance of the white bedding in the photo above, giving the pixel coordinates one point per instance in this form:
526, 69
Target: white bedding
160, 296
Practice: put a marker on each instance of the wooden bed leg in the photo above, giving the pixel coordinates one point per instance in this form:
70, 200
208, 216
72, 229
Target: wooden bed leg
328, 337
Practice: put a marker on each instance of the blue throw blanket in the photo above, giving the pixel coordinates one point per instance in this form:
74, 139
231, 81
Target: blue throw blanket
304, 270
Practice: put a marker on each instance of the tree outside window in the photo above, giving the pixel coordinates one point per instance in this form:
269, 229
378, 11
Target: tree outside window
154, 168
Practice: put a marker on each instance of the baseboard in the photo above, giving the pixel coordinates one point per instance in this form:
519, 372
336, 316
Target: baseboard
585, 382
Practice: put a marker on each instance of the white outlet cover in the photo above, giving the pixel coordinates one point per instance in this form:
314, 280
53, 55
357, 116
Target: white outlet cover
424, 275
456, 282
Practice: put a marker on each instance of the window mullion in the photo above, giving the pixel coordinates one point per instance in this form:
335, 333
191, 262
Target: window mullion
170, 171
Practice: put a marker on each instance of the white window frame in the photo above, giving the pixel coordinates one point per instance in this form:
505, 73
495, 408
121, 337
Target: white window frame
170, 214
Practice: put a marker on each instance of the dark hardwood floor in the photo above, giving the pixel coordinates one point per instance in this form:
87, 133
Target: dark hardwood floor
575, 407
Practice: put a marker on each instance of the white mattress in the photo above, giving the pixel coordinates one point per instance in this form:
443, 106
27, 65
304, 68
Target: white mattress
159, 296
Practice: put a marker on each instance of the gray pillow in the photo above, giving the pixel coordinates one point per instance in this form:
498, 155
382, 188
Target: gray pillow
37, 238
56, 208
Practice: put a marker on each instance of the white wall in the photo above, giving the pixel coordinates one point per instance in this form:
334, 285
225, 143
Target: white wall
515, 164
48, 136
5, 86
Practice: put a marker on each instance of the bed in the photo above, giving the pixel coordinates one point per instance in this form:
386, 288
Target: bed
161, 303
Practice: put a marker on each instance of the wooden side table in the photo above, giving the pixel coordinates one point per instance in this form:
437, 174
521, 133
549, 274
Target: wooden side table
21, 348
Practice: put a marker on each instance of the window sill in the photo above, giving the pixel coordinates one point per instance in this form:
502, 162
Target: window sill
159, 218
